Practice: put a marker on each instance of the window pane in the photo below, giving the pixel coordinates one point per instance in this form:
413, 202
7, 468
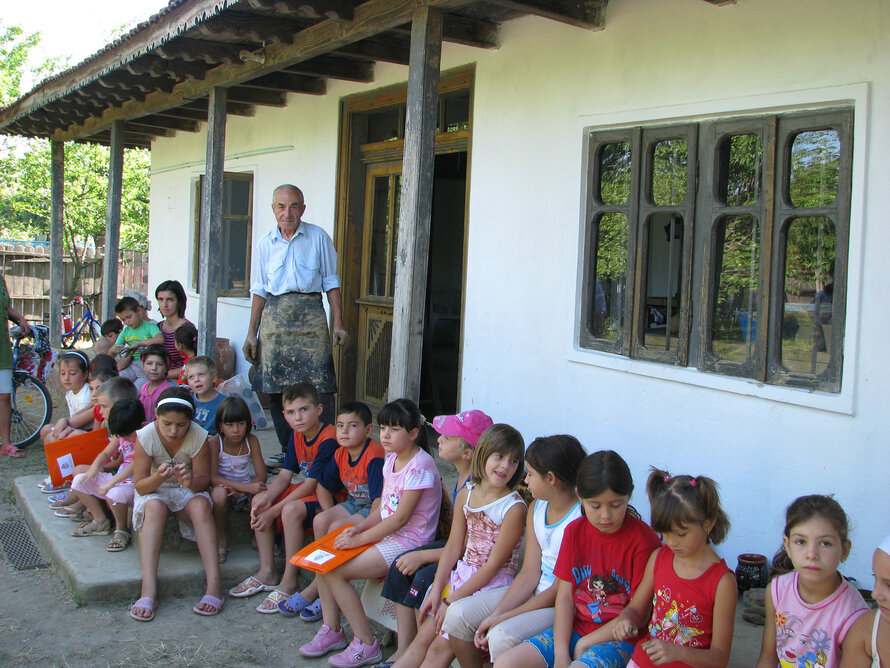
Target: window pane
810, 248
384, 125
233, 272
663, 270
379, 224
815, 164
236, 197
734, 311
396, 192
741, 159
457, 113
614, 166
669, 172
608, 294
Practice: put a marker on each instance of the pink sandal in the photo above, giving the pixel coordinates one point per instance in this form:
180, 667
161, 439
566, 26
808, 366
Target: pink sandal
11, 451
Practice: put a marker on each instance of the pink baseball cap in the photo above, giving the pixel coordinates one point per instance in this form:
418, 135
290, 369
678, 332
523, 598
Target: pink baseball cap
469, 425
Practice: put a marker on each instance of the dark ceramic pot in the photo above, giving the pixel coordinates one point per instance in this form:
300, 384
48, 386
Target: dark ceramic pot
751, 572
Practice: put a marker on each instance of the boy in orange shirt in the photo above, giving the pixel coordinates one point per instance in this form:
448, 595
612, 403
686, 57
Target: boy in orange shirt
356, 471
285, 506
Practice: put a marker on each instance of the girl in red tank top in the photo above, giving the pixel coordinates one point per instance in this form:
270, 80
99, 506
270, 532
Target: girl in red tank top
691, 590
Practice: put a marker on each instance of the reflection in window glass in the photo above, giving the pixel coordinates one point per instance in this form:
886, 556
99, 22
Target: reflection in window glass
810, 247
456, 112
669, 170
236, 197
815, 165
614, 168
740, 162
395, 193
608, 294
379, 228
384, 125
663, 262
734, 310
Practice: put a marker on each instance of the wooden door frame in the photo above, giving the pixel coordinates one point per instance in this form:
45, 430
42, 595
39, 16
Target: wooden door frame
353, 156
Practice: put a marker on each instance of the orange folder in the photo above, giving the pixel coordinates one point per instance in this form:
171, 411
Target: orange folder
320, 556
62, 456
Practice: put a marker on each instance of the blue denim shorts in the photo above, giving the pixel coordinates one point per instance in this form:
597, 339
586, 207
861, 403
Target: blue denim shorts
612, 654
352, 509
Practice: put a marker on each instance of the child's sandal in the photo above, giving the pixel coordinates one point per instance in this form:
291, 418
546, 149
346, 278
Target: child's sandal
118, 544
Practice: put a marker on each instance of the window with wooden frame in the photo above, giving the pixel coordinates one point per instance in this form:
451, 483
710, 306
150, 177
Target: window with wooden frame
236, 231
722, 245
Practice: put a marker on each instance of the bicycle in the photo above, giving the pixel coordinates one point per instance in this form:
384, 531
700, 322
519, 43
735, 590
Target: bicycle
85, 323
32, 405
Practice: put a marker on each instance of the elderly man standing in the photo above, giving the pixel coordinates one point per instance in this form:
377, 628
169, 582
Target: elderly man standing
287, 339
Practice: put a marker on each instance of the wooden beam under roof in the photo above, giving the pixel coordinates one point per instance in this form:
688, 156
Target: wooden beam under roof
463, 30
207, 50
588, 14
393, 47
128, 82
721, 3
268, 98
287, 81
159, 121
173, 68
246, 27
335, 67
336, 10
232, 108
371, 18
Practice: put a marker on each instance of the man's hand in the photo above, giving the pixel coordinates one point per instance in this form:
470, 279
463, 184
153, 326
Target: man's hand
250, 349
340, 336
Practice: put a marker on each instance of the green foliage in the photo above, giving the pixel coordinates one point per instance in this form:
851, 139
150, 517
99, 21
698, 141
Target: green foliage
25, 168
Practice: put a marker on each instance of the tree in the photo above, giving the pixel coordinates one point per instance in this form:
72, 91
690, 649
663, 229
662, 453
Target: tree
25, 168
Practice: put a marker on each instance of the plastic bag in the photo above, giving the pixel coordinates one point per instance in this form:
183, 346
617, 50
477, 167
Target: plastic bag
239, 386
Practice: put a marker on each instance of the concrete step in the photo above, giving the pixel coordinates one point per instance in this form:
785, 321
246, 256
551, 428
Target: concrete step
92, 574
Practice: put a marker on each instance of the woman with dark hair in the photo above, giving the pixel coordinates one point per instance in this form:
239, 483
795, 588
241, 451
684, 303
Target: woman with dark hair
171, 303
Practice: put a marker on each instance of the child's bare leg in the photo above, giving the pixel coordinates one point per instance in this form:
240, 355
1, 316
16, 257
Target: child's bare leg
524, 654
417, 650
155, 516
293, 515
198, 512
96, 506
121, 514
323, 523
265, 545
369, 564
439, 655
406, 625
220, 512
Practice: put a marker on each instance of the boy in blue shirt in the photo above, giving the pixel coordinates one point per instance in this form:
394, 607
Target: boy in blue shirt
200, 373
138, 332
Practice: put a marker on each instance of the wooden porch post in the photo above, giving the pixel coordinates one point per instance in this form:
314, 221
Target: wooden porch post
113, 221
211, 214
57, 221
416, 204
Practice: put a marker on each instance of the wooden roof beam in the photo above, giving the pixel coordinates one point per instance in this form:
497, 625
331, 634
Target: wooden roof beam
389, 48
131, 82
286, 81
588, 14
464, 30
210, 52
172, 68
232, 108
268, 98
184, 113
334, 67
721, 3
138, 126
160, 121
245, 27
371, 17
336, 10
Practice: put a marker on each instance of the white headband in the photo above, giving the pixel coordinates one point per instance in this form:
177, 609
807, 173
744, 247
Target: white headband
82, 356
176, 400
885, 546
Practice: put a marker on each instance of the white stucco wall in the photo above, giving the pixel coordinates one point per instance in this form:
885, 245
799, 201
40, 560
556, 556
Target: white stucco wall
656, 61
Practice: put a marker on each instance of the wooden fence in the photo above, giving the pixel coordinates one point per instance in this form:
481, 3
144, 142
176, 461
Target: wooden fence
26, 270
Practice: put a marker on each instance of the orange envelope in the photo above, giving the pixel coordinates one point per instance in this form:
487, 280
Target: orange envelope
320, 556
62, 456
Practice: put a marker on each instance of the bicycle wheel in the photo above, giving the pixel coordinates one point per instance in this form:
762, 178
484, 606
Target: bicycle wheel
32, 407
